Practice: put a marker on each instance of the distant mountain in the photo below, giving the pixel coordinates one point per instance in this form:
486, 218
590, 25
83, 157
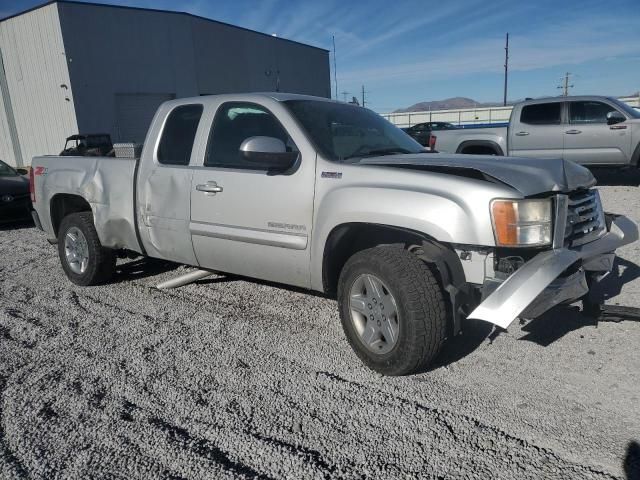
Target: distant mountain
447, 104
460, 103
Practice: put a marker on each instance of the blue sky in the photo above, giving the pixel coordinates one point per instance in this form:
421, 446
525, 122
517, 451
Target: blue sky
406, 51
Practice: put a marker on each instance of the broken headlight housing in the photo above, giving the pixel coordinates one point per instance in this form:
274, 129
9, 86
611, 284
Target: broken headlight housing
522, 223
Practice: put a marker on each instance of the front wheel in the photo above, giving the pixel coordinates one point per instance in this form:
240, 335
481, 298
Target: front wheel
84, 260
392, 310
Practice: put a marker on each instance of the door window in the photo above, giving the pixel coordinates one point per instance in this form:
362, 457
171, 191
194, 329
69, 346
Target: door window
178, 135
233, 124
589, 112
541, 114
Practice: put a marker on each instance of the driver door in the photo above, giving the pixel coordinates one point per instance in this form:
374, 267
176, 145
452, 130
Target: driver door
245, 220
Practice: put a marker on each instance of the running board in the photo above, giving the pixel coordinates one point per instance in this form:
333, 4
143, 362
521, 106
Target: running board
184, 279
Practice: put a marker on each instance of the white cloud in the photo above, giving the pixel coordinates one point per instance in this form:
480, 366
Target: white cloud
571, 43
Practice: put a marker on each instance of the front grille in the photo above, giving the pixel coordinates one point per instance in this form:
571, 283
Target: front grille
585, 218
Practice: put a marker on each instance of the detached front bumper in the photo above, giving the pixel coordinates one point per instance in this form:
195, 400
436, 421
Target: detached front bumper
539, 284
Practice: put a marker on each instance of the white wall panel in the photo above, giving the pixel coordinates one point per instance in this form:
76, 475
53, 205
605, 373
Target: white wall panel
35, 66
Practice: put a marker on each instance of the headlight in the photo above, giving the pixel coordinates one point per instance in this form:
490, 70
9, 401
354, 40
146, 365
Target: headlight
522, 223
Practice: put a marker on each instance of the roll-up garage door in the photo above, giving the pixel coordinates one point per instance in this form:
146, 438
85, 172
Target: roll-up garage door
134, 112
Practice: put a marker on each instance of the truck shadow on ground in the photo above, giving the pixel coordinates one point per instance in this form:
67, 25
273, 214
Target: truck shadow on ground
632, 461
629, 177
553, 325
456, 348
561, 320
143, 268
16, 225
543, 330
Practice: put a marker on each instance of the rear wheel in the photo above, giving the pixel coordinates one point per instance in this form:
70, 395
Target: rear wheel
84, 260
392, 310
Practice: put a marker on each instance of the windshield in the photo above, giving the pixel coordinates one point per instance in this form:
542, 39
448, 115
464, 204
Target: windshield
342, 132
6, 170
629, 110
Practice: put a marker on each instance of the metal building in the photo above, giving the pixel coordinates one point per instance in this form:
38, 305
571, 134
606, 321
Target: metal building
68, 67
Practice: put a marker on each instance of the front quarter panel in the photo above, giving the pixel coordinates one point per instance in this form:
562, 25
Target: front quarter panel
447, 208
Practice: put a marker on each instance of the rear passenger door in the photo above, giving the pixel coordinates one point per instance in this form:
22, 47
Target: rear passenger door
164, 185
588, 138
538, 131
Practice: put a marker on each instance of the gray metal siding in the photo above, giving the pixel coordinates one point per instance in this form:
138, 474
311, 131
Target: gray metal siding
231, 60
35, 66
118, 51
134, 113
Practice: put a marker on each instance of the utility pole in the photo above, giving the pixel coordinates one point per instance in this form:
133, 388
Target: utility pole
363, 92
565, 86
335, 74
506, 69
344, 96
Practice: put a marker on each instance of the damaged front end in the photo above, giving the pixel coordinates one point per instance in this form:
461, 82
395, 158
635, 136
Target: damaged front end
584, 242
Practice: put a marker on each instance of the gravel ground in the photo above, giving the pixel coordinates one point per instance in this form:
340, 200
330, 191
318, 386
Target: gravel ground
232, 379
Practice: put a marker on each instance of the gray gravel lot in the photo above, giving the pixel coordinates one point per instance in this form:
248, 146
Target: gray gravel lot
227, 378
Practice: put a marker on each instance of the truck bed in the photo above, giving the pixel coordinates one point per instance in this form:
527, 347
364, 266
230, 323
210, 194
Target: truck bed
449, 141
106, 183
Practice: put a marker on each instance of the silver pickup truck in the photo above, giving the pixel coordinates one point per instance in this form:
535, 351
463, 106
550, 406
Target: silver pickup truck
331, 197
590, 130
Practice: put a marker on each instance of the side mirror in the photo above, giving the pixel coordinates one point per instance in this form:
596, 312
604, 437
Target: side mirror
267, 152
614, 117
22, 171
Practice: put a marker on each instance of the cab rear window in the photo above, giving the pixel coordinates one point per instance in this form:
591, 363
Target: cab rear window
179, 134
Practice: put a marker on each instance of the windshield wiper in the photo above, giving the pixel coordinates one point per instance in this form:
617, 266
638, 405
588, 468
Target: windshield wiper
379, 151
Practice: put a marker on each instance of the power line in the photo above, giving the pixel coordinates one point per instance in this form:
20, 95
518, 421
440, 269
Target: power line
565, 85
506, 69
335, 74
363, 93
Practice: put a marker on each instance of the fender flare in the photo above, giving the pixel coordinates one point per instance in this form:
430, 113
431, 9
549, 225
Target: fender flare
480, 143
635, 158
452, 276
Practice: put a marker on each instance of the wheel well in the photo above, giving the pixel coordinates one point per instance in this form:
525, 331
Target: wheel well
62, 205
350, 238
347, 239
480, 148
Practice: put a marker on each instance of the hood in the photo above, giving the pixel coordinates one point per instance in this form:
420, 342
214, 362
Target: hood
14, 185
530, 176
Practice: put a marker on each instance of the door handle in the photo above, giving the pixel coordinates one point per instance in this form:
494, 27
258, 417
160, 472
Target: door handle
522, 134
209, 187
573, 132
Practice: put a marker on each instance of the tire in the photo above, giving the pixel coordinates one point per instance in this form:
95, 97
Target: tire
99, 264
421, 314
